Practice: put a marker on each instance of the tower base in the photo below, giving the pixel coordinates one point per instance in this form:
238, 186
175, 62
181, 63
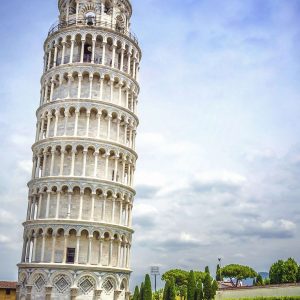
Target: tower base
66, 284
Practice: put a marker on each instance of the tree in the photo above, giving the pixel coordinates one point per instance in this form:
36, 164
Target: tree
218, 273
191, 286
210, 286
284, 271
169, 290
136, 294
180, 276
181, 280
298, 274
199, 276
236, 273
182, 291
158, 295
172, 290
141, 296
290, 271
259, 280
199, 291
147, 288
215, 287
207, 287
276, 272
166, 290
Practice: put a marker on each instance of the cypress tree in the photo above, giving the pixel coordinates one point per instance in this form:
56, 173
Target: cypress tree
172, 291
191, 286
214, 289
166, 291
218, 273
207, 288
147, 288
136, 294
200, 291
141, 295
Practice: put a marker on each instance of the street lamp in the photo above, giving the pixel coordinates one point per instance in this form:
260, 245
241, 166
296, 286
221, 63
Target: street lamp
220, 263
155, 272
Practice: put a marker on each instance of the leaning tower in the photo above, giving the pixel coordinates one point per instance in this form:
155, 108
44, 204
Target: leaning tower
78, 233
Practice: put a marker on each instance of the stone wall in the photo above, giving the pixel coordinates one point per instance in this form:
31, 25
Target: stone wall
265, 291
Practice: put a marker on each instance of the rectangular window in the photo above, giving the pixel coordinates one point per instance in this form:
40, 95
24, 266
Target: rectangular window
70, 255
7, 291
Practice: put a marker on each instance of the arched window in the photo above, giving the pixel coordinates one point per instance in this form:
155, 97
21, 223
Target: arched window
120, 23
90, 18
107, 6
72, 8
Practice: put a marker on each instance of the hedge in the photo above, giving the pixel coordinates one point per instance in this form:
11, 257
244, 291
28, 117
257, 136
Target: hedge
269, 298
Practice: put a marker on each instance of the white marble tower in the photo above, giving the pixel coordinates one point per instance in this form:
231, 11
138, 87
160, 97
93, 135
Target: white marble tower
77, 234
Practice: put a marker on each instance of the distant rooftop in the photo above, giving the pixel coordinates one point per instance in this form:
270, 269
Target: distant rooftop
8, 285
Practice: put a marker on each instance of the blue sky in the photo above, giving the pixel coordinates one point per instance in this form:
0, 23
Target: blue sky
219, 150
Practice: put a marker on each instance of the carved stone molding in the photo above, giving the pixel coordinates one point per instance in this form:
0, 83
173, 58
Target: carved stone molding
90, 69
70, 183
94, 32
99, 105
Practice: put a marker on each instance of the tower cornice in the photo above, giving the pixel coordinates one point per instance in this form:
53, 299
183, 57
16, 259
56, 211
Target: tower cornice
73, 29
92, 68
88, 102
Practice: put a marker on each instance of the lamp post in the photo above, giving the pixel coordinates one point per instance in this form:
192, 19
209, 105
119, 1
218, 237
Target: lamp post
220, 263
155, 272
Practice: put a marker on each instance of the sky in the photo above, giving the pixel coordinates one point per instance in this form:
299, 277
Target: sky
218, 141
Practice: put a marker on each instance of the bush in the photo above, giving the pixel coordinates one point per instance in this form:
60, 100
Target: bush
270, 298
259, 280
284, 271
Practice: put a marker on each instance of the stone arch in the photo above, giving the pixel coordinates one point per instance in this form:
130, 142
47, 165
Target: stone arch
109, 284
38, 280
120, 22
61, 282
89, 7
108, 7
86, 283
124, 285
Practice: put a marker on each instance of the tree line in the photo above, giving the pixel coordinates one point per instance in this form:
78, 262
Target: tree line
280, 272
197, 285
193, 285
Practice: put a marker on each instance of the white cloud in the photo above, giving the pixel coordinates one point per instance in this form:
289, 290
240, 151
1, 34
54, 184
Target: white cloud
142, 209
225, 177
7, 217
186, 237
4, 239
25, 165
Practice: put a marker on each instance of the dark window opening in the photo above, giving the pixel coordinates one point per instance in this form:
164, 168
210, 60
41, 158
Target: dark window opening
87, 53
90, 20
70, 255
107, 7
7, 292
